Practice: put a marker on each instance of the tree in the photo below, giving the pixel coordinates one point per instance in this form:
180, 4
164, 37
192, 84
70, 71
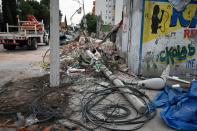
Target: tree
26, 9
32, 7
45, 2
9, 12
1, 21
91, 23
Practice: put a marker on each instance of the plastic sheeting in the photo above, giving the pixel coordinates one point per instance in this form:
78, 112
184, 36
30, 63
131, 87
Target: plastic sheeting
179, 107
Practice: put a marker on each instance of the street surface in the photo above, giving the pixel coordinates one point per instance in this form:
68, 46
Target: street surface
20, 63
23, 63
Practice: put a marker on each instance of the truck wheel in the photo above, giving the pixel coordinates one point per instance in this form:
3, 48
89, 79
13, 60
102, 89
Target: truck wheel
33, 44
9, 47
46, 41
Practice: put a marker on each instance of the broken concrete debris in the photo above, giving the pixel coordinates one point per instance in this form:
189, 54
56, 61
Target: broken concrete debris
97, 93
140, 107
71, 71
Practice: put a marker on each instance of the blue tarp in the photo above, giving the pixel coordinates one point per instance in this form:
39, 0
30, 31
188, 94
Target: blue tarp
179, 107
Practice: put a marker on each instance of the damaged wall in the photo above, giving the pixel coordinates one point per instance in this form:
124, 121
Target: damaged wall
125, 28
169, 37
157, 35
131, 32
135, 46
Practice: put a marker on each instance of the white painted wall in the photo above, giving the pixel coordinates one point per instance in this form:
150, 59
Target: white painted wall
134, 46
170, 44
163, 48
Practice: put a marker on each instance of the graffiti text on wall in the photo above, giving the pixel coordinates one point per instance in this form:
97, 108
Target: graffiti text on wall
171, 55
191, 64
184, 22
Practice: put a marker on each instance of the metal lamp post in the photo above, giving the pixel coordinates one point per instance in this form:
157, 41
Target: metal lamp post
77, 11
84, 19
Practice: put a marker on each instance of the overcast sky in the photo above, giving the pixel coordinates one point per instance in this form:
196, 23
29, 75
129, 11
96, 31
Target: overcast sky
68, 7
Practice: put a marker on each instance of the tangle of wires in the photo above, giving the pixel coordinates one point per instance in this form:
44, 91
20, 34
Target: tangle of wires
44, 110
101, 109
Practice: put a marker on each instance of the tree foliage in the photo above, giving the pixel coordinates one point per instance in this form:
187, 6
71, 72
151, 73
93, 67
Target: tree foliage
1, 21
91, 23
39, 10
9, 12
23, 8
45, 2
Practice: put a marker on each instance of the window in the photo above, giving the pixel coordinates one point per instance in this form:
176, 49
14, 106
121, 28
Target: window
109, 17
113, 18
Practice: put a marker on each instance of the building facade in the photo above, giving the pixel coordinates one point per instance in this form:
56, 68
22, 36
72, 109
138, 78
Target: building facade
109, 10
155, 34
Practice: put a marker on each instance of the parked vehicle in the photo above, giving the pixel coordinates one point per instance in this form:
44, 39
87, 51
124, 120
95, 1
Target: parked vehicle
26, 33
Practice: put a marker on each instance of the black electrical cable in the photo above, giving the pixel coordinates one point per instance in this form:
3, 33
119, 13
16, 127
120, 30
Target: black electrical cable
111, 118
47, 113
107, 111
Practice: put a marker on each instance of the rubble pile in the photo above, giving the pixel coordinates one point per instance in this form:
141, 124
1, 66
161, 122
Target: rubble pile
80, 99
74, 53
97, 92
81, 61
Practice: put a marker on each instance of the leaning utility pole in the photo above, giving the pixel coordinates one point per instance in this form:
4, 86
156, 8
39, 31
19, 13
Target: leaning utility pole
54, 44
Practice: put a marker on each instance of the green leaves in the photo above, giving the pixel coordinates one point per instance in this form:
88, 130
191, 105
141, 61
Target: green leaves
39, 10
91, 22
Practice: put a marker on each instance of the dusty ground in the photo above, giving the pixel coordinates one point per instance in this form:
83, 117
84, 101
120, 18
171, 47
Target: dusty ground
21, 63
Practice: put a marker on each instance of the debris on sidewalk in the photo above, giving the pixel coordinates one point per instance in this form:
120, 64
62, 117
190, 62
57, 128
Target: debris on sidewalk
31, 101
97, 92
71, 71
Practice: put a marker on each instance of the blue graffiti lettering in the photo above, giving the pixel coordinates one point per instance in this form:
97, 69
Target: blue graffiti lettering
184, 22
190, 64
194, 21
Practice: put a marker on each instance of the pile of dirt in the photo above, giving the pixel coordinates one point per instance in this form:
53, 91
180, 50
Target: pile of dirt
32, 96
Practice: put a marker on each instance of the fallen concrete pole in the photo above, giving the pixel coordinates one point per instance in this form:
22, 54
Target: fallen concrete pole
132, 99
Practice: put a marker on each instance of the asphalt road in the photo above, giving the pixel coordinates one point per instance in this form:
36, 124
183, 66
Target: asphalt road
20, 64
